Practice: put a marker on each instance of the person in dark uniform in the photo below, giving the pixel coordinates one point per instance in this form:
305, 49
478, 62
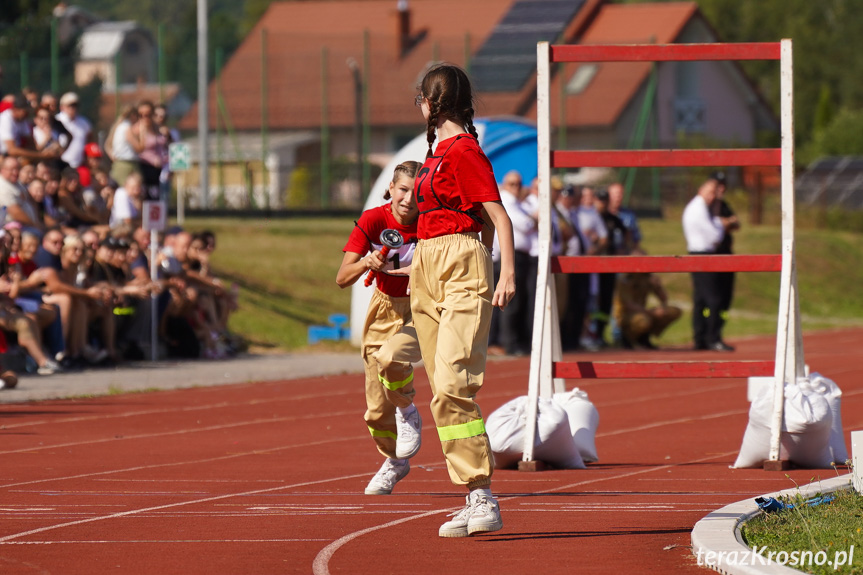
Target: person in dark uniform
704, 231
618, 244
725, 280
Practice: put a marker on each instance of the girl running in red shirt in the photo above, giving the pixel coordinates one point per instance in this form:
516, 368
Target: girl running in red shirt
389, 341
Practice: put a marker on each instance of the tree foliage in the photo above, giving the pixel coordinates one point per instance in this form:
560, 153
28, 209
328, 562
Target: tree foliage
828, 52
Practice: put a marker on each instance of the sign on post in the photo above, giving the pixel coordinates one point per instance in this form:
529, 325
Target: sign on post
154, 216
179, 157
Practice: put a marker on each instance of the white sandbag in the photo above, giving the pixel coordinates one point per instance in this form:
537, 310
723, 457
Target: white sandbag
583, 421
828, 388
805, 438
553, 444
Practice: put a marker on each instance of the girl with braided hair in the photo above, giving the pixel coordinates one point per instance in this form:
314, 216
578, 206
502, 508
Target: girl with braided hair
451, 286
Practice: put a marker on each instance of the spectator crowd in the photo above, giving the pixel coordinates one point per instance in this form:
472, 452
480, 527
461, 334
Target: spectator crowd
75, 277
595, 310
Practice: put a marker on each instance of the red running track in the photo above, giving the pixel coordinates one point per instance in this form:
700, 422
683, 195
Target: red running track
268, 478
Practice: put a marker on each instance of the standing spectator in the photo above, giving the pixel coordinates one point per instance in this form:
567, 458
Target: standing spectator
128, 202
627, 216
79, 128
617, 244
19, 206
119, 146
638, 322
151, 147
723, 210
577, 291
704, 232
594, 231
514, 318
160, 119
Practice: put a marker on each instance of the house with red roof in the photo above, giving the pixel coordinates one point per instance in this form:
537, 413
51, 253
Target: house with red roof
338, 77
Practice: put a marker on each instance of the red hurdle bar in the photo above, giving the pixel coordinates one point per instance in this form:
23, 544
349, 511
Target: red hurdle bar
666, 53
669, 264
665, 158
661, 369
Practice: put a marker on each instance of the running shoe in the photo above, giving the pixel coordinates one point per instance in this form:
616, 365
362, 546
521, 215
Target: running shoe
390, 473
409, 434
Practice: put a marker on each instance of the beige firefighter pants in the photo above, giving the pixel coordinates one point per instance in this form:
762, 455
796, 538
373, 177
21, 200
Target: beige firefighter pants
451, 303
389, 348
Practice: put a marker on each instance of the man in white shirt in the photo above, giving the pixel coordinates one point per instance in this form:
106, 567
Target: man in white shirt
703, 232
79, 128
513, 319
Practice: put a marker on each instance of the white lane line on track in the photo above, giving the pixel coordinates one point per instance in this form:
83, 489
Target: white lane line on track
173, 432
167, 410
320, 566
188, 462
122, 542
672, 422
173, 505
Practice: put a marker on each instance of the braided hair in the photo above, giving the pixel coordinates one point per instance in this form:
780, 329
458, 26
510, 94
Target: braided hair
408, 169
447, 89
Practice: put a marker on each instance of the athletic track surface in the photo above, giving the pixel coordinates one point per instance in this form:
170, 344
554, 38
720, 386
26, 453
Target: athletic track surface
268, 478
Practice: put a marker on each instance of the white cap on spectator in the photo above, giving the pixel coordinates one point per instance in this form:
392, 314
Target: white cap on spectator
69, 98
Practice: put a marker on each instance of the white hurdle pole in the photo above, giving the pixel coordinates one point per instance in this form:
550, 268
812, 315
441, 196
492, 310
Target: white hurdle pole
540, 356
789, 346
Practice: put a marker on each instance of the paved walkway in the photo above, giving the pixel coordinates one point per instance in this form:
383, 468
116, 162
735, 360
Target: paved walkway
147, 376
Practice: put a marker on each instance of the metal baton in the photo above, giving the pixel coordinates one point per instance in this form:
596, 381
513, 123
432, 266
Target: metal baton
392, 240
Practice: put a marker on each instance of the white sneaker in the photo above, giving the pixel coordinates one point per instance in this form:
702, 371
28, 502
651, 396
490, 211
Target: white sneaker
485, 517
408, 434
481, 514
49, 368
390, 473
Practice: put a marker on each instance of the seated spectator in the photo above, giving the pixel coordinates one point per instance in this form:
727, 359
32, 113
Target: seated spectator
19, 207
74, 212
26, 174
638, 322
36, 189
48, 254
30, 293
62, 291
87, 310
51, 215
16, 136
128, 202
13, 320
47, 137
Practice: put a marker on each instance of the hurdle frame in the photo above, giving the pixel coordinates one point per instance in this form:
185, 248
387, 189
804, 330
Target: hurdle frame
547, 370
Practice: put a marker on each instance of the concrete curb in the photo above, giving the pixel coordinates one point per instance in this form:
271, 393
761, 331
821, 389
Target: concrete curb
146, 376
719, 532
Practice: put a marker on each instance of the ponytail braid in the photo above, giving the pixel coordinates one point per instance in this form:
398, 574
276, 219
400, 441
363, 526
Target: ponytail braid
469, 123
434, 109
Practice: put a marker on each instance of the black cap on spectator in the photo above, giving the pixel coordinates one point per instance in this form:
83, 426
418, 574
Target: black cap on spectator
719, 176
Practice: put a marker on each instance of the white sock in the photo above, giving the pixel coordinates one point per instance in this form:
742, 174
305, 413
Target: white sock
481, 491
407, 411
398, 462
